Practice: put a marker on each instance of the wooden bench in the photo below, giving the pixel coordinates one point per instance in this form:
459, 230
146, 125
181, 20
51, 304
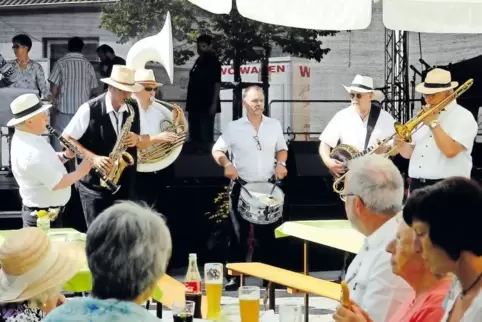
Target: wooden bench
296, 283
172, 292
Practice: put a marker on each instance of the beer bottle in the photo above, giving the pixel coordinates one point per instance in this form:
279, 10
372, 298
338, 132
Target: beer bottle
193, 285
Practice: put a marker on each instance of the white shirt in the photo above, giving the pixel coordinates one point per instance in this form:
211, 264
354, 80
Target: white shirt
37, 169
254, 163
80, 121
152, 117
371, 280
348, 127
473, 313
429, 162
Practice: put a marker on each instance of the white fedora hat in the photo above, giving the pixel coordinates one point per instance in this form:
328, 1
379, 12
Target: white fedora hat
437, 80
26, 106
146, 77
361, 84
122, 78
32, 264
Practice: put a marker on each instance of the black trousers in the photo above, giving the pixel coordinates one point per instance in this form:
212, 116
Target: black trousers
249, 242
420, 183
149, 187
94, 202
201, 127
31, 221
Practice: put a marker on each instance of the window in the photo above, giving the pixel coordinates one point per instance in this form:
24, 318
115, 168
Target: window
55, 48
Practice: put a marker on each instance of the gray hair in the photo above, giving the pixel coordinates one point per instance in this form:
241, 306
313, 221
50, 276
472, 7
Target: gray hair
378, 183
128, 248
252, 88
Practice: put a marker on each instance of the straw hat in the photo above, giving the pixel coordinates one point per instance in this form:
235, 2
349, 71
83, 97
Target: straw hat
146, 78
360, 84
122, 78
26, 106
437, 80
31, 264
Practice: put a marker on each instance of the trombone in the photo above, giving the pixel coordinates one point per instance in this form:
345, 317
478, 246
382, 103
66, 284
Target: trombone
406, 130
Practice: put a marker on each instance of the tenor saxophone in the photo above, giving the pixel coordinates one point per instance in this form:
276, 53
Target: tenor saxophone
119, 156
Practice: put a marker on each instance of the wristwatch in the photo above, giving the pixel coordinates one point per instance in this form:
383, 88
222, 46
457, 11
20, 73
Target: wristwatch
282, 163
434, 124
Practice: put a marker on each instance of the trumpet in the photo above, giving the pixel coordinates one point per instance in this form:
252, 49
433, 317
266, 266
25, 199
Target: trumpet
405, 131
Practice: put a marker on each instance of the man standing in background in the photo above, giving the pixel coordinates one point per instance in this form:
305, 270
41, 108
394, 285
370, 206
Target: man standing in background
108, 59
203, 93
72, 82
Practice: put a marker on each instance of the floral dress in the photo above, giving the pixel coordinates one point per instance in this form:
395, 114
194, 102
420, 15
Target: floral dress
20, 312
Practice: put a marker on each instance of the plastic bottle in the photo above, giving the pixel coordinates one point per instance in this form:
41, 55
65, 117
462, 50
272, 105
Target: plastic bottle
43, 221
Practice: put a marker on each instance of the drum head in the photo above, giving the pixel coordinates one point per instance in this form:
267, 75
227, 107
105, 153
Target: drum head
259, 208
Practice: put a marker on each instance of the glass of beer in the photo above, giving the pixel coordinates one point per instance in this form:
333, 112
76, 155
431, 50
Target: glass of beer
213, 279
249, 303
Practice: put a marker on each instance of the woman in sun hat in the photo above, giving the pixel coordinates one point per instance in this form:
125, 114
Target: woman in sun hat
33, 272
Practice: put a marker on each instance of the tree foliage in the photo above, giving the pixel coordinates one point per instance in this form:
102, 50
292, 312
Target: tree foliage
131, 19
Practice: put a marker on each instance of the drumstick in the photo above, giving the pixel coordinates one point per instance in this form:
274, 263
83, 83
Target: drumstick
345, 295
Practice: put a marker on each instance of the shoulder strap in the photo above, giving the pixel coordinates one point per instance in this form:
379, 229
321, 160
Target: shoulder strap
372, 121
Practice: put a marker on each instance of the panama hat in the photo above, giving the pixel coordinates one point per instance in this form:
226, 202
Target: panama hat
122, 78
360, 84
32, 264
437, 80
146, 77
26, 106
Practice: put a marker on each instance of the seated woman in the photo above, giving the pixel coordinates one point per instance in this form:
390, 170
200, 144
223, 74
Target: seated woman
447, 222
33, 272
128, 248
408, 263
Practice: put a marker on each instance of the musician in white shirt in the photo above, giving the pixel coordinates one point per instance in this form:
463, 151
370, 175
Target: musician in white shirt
350, 125
151, 115
39, 171
441, 147
374, 192
259, 152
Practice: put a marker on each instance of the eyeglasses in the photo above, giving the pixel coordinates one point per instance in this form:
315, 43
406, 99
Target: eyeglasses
357, 95
258, 144
149, 89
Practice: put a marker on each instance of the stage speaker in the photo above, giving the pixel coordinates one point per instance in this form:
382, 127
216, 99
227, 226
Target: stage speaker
304, 160
196, 162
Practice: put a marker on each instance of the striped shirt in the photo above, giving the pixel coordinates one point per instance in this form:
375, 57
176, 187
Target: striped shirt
75, 77
32, 77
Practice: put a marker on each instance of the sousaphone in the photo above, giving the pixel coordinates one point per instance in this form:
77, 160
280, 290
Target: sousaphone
159, 48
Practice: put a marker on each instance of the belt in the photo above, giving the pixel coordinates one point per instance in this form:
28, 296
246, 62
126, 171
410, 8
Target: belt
426, 181
27, 208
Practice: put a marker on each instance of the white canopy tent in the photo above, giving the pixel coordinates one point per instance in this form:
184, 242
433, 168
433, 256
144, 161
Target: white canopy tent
432, 16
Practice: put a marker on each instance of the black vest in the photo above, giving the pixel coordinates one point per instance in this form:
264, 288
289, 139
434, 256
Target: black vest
100, 138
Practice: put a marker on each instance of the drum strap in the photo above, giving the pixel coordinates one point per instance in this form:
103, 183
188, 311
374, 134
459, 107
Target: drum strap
372, 121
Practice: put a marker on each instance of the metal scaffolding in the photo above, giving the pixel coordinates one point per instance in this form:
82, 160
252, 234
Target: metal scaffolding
396, 74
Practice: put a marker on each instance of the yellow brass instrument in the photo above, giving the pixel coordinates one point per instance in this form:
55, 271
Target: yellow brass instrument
159, 48
119, 156
405, 131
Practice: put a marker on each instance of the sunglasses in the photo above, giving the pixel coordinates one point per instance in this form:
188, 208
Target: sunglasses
149, 89
357, 95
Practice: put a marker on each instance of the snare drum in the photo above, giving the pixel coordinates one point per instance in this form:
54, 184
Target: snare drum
259, 208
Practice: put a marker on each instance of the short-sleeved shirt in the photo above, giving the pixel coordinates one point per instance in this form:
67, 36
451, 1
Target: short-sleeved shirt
204, 75
429, 162
426, 307
151, 118
75, 77
254, 162
32, 77
37, 170
347, 127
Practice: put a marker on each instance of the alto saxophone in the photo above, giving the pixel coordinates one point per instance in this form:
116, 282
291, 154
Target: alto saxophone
97, 171
119, 156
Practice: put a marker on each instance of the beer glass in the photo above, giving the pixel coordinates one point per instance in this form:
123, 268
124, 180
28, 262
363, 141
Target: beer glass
290, 313
249, 303
213, 279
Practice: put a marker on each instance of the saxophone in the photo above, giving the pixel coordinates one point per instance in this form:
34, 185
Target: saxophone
119, 156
